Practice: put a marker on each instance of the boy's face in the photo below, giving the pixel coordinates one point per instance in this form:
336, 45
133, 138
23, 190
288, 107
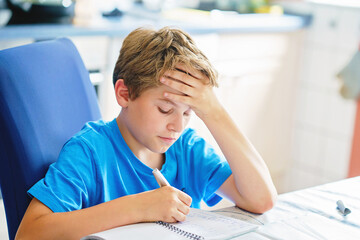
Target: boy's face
155, 123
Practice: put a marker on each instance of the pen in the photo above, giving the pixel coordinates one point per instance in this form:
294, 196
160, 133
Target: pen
341, 207
161, 180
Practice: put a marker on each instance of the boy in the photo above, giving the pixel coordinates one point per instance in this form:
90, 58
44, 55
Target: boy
103, 176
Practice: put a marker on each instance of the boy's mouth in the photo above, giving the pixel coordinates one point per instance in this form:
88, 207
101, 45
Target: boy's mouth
167, 140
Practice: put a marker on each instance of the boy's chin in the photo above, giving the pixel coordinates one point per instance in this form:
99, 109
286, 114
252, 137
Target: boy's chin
161, 150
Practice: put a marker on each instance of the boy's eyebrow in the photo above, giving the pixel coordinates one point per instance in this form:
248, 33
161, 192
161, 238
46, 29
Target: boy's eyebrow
167, 101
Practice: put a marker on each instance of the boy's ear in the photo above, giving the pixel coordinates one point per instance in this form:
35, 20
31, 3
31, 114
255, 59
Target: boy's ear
121, 93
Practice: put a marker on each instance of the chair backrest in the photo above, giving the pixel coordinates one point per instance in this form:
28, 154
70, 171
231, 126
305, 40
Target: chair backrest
45, 97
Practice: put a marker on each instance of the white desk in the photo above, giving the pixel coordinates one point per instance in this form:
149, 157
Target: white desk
308, 214
302, 215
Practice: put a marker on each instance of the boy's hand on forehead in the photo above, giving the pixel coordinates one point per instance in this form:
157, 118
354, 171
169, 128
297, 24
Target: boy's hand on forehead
192, 88
193, 73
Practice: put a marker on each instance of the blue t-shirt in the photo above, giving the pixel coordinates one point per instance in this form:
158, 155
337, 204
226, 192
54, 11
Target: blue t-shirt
96, 165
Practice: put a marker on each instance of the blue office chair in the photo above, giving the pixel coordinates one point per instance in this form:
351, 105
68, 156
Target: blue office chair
45, 97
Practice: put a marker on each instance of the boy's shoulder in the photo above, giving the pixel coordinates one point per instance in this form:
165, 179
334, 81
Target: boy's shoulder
94, 131
92, 127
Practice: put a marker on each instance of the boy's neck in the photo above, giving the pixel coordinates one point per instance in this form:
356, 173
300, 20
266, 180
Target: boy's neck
154, 161
149, 158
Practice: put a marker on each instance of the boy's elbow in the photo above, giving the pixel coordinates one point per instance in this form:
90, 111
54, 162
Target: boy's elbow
261, 205
265, 205
267, 202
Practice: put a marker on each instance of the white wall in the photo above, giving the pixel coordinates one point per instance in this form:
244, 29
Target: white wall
258, 73
324, 121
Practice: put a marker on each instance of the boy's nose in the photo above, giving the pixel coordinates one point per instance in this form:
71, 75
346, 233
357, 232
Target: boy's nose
177, 124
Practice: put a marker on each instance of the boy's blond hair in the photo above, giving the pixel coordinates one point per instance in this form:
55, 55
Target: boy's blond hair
147, 54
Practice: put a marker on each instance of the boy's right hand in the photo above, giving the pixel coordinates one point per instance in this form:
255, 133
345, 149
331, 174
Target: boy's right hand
166, 204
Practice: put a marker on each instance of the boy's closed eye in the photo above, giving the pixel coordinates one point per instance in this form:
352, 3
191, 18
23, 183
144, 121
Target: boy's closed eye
167, 107
186, 113
164, 111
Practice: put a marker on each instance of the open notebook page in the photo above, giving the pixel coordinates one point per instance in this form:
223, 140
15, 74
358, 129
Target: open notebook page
200, 222
214, 226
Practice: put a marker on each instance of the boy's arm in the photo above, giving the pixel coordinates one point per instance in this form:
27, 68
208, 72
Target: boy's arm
250, 186
164, 204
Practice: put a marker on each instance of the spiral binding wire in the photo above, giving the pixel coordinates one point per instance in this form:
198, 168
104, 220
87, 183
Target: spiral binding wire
177, 230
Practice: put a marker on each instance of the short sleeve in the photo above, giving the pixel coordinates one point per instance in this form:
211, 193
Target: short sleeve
210, 170
70, 182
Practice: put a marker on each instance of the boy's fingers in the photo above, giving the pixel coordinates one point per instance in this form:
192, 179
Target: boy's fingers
179, 86
185, 198
192, 72
185, 209
178, 98
179, 216
183, 77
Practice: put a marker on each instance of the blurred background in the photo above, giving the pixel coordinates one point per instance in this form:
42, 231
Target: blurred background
287, 69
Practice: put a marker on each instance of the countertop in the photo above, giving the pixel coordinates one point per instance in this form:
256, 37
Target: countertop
216, 22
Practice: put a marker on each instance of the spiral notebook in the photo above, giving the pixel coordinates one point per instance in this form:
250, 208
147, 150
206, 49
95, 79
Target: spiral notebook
199, 225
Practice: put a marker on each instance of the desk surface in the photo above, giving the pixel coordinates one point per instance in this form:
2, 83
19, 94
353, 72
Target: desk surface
301, 215
308, 214
305, 214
